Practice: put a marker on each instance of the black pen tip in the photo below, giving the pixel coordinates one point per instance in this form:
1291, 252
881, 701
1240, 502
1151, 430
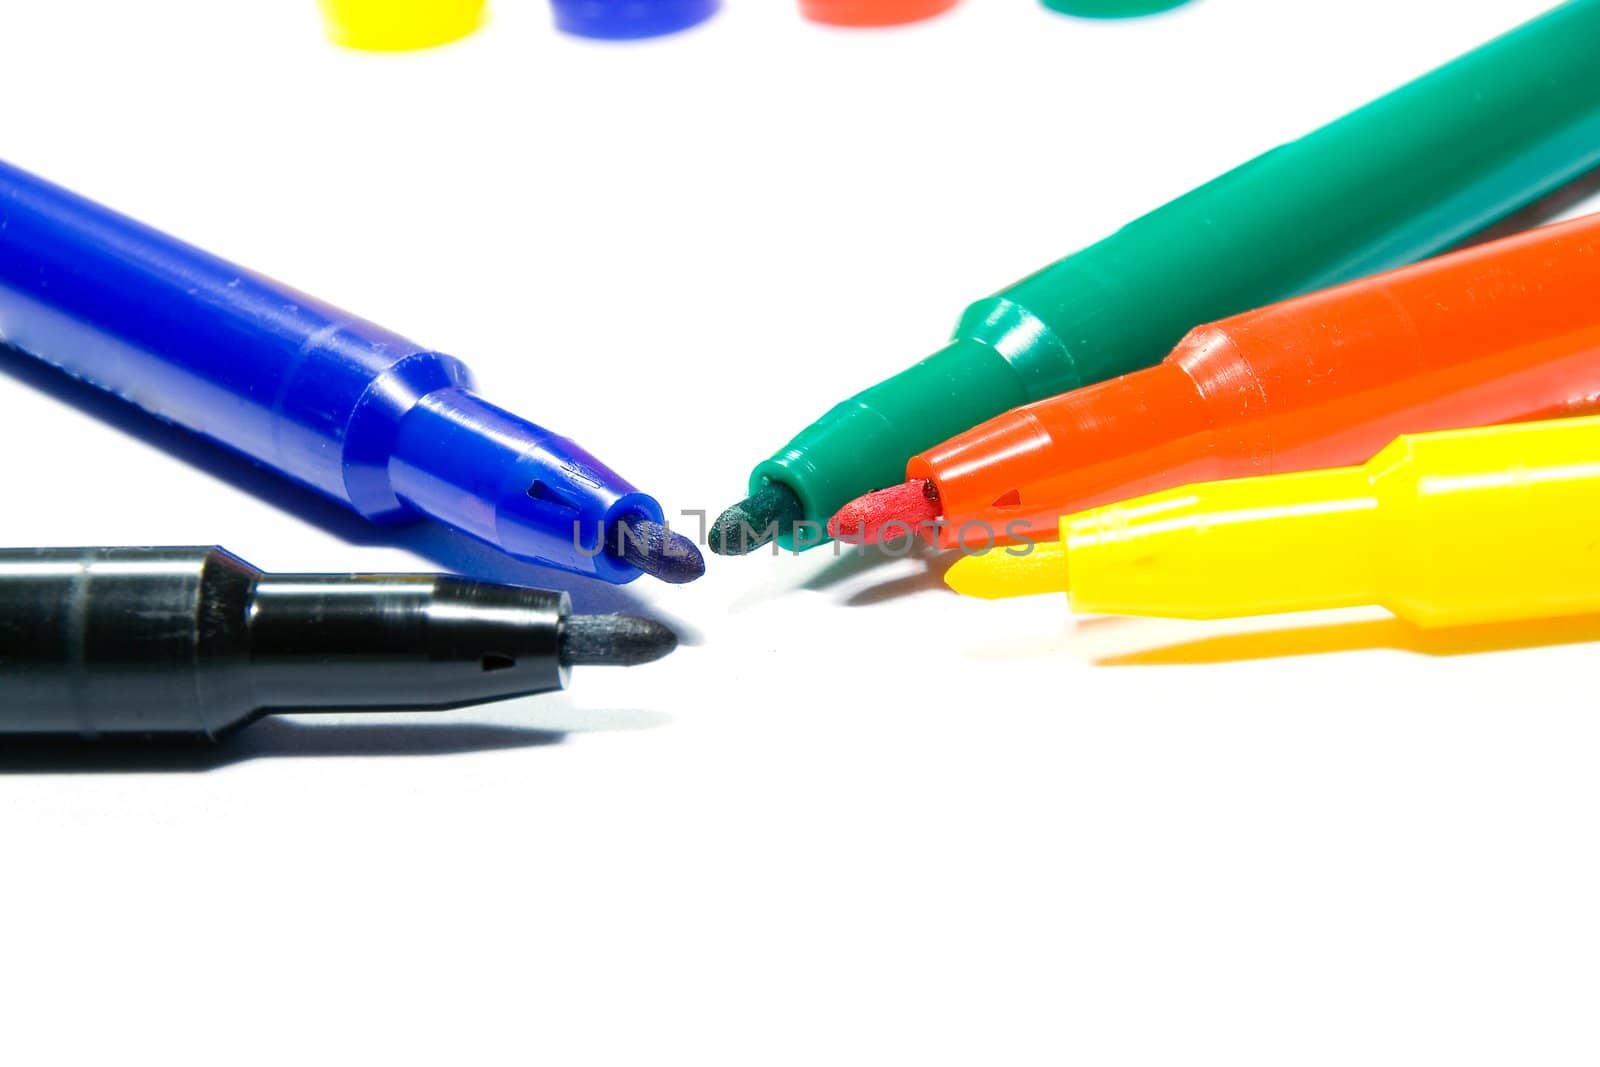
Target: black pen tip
614, 640
755, 520
657, 551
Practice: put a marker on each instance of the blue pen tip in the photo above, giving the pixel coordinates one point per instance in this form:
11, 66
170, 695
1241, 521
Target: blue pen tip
657, 551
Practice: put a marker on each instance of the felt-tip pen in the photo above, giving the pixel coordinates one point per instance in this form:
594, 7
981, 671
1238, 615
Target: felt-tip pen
106, 642
1453, 528
378, 423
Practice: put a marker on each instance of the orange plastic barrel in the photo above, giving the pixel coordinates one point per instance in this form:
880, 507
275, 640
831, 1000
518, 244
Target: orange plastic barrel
1503, 332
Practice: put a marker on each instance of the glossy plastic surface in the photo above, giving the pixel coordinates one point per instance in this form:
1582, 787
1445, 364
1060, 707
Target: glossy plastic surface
1401, 179
1444, 529
873, 12
106, 642
400, 25
618, 20
336, 403
1502, 332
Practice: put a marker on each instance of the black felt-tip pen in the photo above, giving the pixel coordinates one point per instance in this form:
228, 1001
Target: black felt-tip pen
103, 642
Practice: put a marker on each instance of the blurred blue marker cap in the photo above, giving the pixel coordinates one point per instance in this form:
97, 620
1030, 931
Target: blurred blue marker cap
627, 19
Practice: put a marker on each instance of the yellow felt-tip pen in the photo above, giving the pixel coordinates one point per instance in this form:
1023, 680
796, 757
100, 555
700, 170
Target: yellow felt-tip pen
1443, 529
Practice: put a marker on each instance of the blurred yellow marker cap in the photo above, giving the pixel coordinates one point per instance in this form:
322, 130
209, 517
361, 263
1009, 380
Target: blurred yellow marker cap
400, 25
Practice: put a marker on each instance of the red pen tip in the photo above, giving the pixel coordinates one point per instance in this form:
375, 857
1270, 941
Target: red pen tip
886, 515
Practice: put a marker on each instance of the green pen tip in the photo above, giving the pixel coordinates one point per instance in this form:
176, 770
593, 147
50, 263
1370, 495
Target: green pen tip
755, 520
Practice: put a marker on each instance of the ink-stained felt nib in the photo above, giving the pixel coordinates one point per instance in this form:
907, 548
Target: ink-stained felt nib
614, 640
657, 551
886, 515
756, 520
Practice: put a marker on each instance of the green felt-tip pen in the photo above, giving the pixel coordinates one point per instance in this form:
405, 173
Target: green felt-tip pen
1406, 176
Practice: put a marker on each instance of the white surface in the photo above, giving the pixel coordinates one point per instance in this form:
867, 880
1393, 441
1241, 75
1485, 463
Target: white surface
859, 821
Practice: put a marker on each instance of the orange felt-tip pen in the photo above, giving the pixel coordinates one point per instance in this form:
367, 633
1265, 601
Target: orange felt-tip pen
1502, 332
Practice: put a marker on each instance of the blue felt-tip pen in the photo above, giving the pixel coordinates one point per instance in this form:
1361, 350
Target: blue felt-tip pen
389, 428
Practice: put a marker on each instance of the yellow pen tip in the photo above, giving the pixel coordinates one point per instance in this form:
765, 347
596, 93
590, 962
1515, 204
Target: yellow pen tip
998, 574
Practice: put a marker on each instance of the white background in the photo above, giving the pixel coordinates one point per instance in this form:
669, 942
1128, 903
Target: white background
857, 821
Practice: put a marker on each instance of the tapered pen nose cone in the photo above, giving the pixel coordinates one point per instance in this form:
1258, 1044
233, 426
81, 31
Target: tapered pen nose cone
998, 574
